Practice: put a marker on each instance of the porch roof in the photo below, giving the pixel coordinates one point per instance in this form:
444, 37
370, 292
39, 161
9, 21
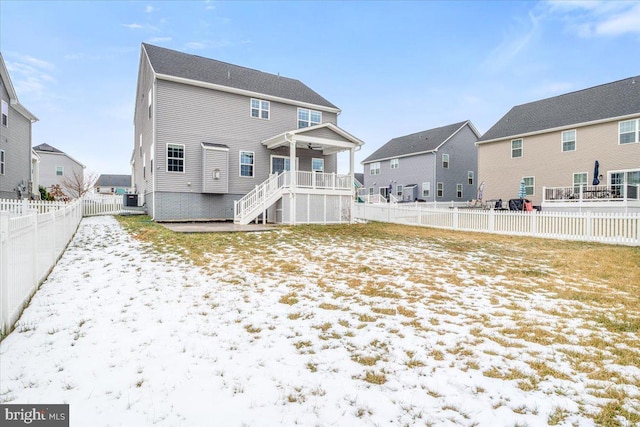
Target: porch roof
334, 141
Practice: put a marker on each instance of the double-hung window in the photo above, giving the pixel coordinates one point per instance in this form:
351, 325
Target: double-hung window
426, 189
628, 131
529, 185
569, 140
5, 114
260, 108
175, 157
395, 163
59, 171
470, 177
439, 189
516, 148
1, 162
247, 162
445, 161
374, 168
150, 103
579, 180
308, 118
459, 191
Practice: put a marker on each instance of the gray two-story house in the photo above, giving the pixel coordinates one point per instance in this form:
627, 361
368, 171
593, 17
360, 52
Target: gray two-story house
438, 165
16, 157
214, 141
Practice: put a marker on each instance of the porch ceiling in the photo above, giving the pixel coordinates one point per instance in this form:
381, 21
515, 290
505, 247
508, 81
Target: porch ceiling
301, 137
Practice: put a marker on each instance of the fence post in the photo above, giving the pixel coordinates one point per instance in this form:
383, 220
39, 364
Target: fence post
588, 232
34, 246
534, 223
492, 220
4, 271
455, 218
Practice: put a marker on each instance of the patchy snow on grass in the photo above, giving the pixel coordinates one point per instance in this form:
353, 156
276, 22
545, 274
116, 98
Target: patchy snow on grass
321, 332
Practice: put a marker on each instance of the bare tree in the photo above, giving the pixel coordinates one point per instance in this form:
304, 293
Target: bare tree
78, 183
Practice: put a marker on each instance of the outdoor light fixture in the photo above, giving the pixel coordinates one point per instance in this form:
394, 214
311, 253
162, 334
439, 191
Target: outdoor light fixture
216, 174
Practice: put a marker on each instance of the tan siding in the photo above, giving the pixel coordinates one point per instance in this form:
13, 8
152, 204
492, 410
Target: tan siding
543, 159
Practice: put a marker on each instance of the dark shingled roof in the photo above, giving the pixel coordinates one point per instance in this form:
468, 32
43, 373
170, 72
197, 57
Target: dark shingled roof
113, 181
609, 100
419, 142
198, 68
48, 148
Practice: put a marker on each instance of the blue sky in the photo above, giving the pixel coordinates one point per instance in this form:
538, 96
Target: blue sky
394, 68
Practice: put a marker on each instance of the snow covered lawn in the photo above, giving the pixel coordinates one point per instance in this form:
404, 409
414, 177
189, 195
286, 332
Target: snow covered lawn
312, 327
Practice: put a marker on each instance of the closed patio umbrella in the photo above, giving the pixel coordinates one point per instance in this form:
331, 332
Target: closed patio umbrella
596, 173
480, 191
523, 190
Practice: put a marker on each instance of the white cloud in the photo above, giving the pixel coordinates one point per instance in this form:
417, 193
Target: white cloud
513, 43
598, 18
208, 5
149, 9
32, 77
160, 39
133, 26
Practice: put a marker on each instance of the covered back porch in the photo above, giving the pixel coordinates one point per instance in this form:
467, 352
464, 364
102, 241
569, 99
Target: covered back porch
293, 196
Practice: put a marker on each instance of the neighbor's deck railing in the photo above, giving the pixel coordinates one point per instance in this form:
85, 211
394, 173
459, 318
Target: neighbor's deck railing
591, 193
31, 242
617, 228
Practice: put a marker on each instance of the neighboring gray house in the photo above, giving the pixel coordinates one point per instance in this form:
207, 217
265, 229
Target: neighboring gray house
56, 165
208, 136
434, 165
15, 142
113, 184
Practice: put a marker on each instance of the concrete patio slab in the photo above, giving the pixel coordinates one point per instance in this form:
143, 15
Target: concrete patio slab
215, 227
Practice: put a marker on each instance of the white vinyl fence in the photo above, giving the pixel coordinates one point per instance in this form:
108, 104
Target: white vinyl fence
616, 228
103, 205
32, 239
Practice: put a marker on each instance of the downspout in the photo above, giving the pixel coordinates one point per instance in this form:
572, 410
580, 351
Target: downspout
435, 175
153, 143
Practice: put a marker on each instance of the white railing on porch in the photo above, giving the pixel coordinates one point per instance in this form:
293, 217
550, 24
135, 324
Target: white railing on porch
31, 242
605, 227
591, 193
264, 195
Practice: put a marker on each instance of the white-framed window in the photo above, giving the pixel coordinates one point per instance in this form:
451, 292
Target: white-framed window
569, 140
317, 165
395, 163
59, 171
629, 131
470, 177
445, 161
580, 179
372, 191
247, 163
175, 158
459, 191
150, 103
516, 148
151, 155
1, 162
529, 185
439, 189
308, 118
144, 165
399, 191
374, 168
426, 189
140, 146
282, 163
5, 113
260, 109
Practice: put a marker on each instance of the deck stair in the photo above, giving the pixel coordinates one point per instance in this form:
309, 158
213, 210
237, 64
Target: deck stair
259, 199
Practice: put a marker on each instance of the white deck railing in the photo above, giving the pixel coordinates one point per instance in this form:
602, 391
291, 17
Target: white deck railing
31, 242
268, 192
591, 193
605, 227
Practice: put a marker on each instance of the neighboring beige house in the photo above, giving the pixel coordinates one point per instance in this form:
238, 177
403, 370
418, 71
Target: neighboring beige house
55, 165
113, 184
554, 144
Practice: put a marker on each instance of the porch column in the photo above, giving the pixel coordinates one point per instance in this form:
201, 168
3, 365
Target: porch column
293, 178
352, 178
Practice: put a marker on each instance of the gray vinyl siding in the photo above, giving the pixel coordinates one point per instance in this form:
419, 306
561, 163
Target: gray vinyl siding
48, 164
463, 157
15, 141
190, 115
143, 125
420, 168
411, 170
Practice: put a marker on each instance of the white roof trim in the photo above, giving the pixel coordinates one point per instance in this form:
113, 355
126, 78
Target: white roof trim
329, 146
559, 128
209, 147
13, 97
